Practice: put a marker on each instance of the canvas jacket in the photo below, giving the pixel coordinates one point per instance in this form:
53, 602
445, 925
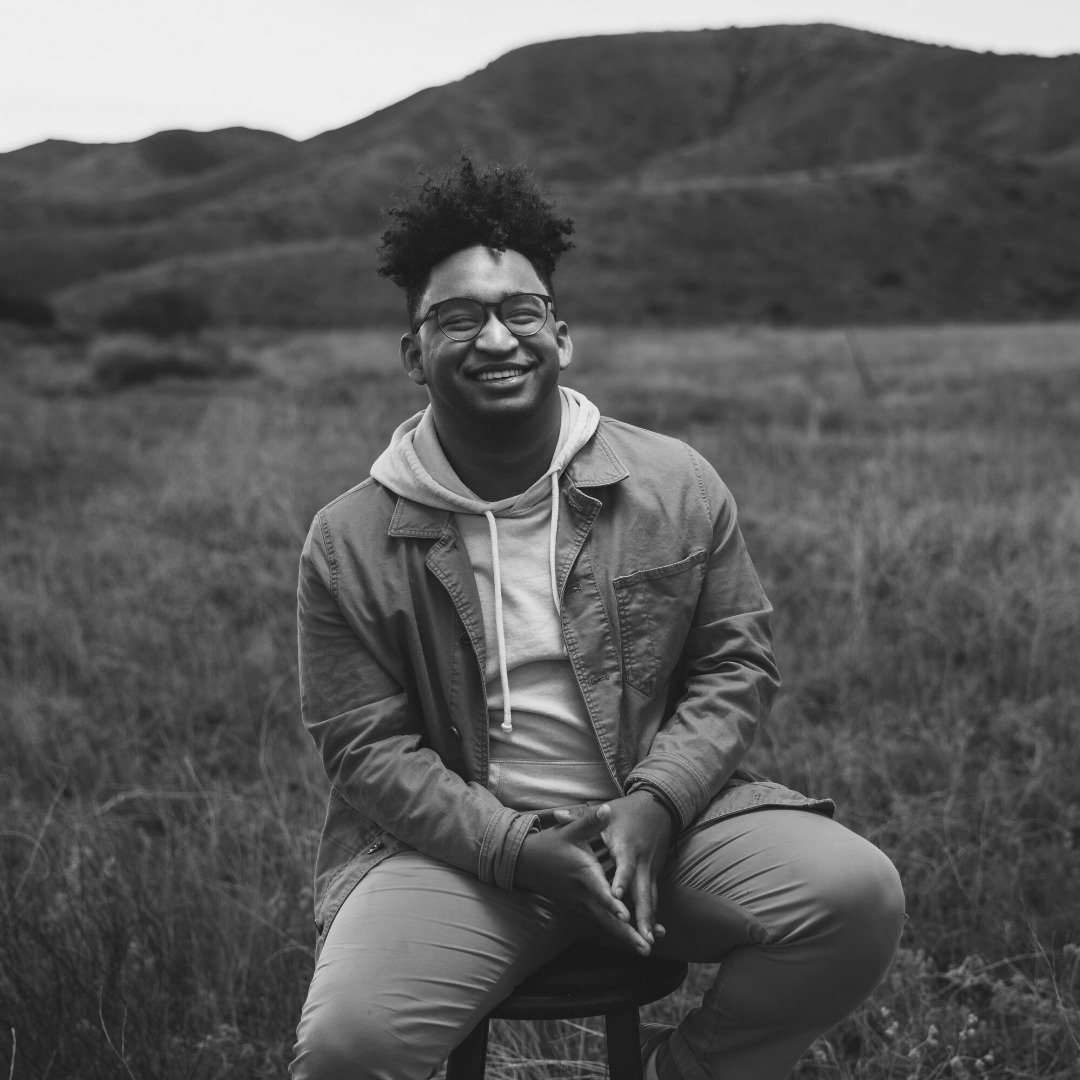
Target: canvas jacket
665, 624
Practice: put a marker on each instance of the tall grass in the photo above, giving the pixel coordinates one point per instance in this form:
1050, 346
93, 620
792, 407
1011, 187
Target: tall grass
920, 541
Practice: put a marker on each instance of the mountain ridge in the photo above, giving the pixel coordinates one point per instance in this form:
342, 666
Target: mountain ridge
818, 160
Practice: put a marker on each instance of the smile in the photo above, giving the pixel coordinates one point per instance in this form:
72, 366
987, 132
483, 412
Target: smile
501, 374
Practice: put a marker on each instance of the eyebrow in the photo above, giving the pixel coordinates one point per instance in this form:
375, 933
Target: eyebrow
504, 296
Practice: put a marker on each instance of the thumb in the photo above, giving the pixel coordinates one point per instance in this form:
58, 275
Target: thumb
584, 826
565, 814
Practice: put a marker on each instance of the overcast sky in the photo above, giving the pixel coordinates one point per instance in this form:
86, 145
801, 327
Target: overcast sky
116, 70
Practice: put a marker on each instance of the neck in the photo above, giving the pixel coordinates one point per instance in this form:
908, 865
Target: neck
501, 461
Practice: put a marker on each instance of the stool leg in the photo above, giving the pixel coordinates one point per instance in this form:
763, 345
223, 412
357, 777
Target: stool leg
623, 1044
468, 1058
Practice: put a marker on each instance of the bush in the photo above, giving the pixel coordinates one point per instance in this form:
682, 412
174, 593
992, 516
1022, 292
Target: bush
26, 310
130, 359
162, 313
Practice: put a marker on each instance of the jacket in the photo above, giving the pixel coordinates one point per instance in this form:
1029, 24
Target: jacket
665, 624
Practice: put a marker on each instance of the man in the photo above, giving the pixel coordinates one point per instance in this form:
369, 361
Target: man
533, 653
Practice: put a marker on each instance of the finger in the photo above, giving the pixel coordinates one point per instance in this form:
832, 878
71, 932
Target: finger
611, 913
624, 932
599, 895
606, 860
624, 876
600, 849
566, 814
644, 902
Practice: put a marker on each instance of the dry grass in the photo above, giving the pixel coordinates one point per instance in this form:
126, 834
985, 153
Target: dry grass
160, 803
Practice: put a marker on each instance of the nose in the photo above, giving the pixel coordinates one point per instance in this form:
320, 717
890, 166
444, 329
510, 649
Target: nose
495, 336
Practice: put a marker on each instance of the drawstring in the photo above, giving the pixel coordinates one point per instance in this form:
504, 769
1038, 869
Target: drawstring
551, 541
500, 633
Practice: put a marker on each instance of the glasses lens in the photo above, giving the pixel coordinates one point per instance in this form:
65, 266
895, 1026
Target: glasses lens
461, 319
523, 314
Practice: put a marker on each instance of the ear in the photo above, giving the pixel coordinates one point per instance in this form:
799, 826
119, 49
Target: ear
412, 358
565, 345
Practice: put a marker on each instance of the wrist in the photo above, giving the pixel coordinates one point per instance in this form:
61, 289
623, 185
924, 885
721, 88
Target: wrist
522, 864
658, 798
533, 866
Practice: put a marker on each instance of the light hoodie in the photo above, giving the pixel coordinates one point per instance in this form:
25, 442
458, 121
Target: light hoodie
543, 751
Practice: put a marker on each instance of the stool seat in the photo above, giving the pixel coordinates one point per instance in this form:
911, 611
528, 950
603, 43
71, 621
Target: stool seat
587, 980
583, 980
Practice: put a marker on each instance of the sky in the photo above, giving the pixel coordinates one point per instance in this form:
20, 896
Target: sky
118, 70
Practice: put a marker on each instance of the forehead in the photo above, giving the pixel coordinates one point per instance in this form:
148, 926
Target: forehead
482, 273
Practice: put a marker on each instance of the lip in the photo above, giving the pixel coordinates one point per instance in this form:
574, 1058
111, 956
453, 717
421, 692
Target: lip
500, 374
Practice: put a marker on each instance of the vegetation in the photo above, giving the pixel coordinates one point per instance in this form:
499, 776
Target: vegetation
128, 359
161, 312
26, 310
917, 528
786, 174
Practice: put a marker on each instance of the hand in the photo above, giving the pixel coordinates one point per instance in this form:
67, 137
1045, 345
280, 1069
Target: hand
559, 863
638, 836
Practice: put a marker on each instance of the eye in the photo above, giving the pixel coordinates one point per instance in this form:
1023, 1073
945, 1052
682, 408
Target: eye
460, 315
523, 310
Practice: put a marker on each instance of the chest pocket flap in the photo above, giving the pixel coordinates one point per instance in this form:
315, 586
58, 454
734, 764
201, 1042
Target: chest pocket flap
655, 611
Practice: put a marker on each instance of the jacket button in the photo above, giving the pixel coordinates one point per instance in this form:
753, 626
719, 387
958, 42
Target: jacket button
454, 731
464, 639
374, 847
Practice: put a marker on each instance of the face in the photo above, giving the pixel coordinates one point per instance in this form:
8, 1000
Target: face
496, 377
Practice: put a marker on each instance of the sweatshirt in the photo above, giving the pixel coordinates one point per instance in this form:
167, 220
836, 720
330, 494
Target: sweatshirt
543, 751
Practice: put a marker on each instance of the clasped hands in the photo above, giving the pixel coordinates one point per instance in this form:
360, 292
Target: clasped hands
560, 863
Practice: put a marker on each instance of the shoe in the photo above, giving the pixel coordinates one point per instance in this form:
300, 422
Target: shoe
653, 1036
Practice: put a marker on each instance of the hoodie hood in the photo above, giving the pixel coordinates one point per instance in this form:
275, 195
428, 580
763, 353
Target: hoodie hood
414, 466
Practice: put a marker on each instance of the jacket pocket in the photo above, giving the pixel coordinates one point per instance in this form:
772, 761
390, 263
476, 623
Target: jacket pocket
655, 610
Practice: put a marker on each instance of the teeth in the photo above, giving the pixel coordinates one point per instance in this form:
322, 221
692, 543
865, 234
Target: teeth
492, 376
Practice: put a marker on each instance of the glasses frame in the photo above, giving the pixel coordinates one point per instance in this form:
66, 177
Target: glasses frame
489, 308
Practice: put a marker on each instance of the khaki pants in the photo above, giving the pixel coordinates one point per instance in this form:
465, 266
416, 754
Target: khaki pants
803, 914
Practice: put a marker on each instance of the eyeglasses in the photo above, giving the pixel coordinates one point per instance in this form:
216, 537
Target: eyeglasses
461, 318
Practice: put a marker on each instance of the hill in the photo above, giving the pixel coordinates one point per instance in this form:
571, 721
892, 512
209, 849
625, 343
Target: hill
814, 174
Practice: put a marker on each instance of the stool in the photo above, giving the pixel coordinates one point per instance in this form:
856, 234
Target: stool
583, 980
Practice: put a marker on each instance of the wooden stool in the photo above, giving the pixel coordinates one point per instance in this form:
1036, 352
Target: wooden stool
583, 980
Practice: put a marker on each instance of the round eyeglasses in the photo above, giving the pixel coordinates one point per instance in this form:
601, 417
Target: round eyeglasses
461, 318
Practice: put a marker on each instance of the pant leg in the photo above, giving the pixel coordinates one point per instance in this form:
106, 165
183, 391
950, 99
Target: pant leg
418, 953
804, 916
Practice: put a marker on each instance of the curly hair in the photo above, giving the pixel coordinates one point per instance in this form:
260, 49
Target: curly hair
498, 208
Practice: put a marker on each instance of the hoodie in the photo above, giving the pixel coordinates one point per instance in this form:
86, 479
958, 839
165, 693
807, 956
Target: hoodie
543, 751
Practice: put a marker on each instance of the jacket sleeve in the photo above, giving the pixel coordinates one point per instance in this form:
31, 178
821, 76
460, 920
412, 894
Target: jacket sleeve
727, 674
370, 738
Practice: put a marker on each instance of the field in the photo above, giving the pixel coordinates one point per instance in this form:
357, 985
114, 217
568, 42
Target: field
911, 499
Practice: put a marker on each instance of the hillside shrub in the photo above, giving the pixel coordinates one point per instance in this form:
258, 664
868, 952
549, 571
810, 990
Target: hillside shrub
131, 359
26, 310
161, 312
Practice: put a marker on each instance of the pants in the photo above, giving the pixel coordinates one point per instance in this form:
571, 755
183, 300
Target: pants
803, 914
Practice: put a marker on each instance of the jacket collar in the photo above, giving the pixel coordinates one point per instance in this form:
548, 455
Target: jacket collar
595, 465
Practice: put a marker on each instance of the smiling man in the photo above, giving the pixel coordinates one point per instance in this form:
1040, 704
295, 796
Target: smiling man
533, 655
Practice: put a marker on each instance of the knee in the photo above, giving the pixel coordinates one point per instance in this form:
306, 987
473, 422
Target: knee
865, 909
338, 1041
880, 897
